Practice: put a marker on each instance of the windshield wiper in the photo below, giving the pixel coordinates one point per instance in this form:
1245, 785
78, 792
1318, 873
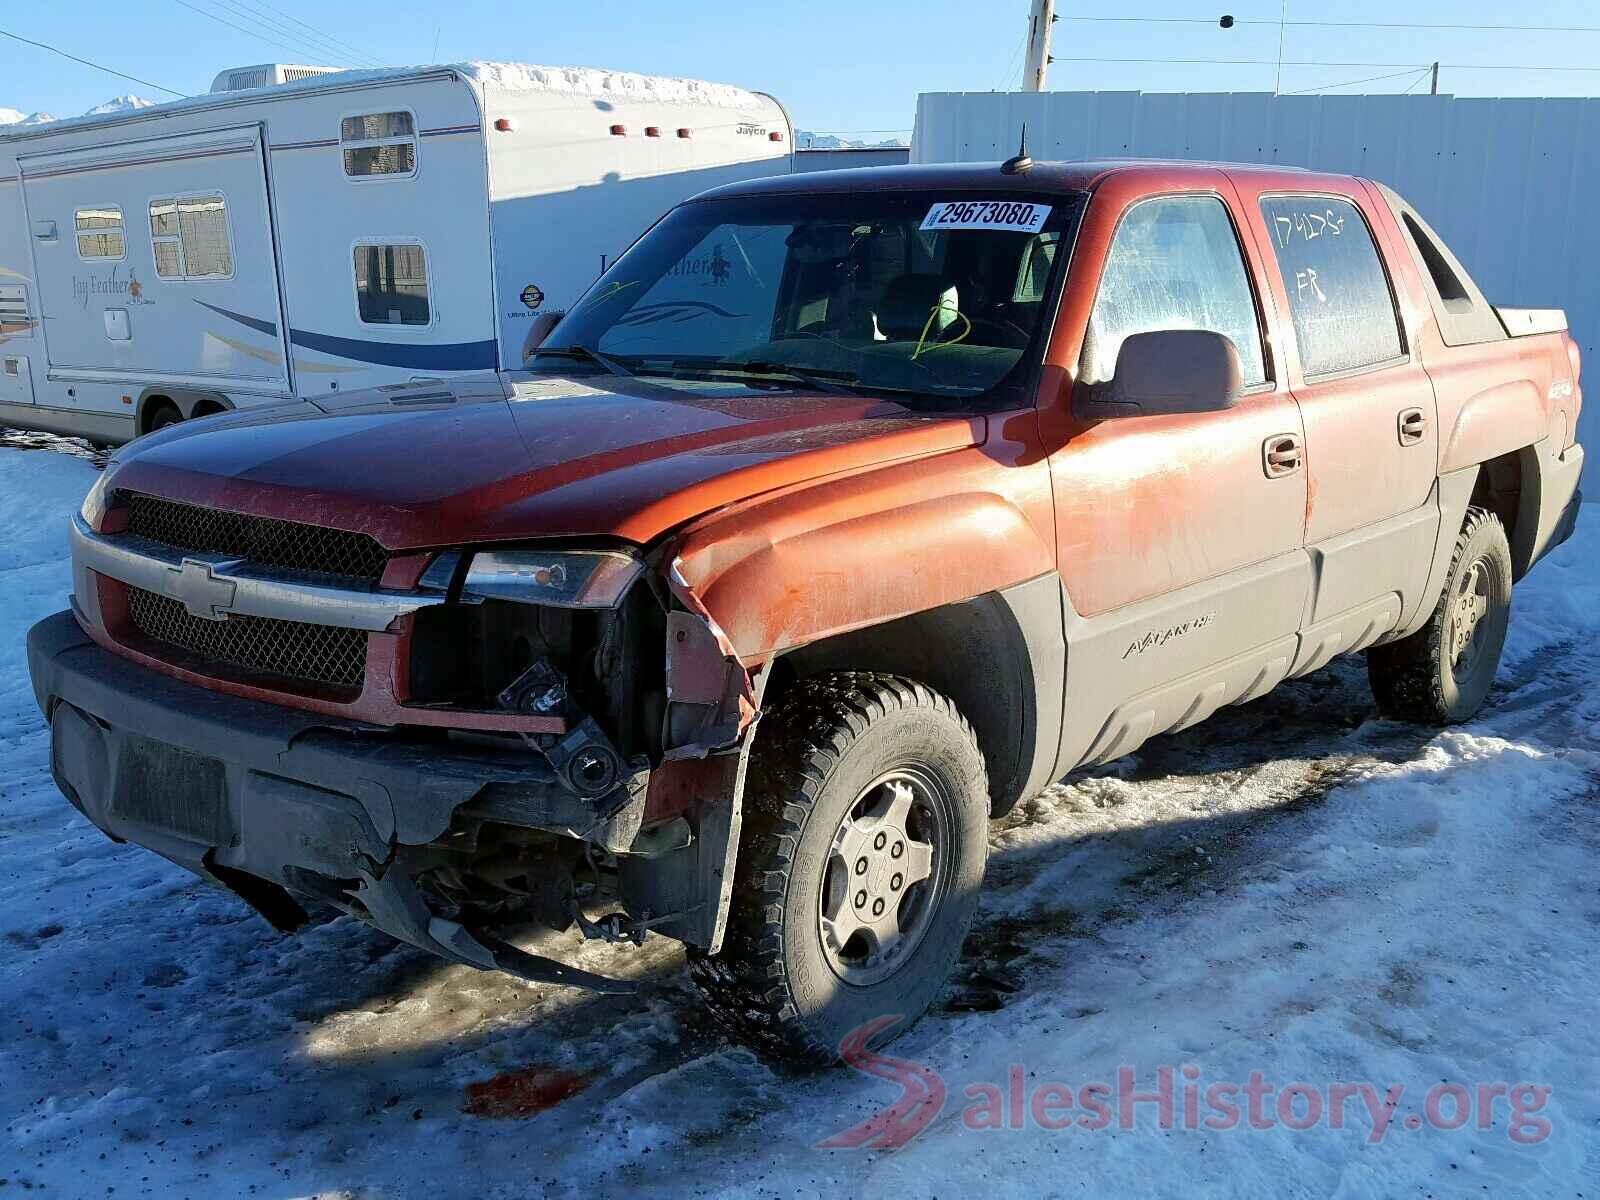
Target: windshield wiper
583, 353
815, 377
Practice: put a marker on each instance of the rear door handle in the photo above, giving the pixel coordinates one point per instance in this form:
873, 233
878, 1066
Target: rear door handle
1282, 454
1412, 425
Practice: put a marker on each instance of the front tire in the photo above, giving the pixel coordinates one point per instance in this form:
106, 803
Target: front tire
1441, 674
862, 852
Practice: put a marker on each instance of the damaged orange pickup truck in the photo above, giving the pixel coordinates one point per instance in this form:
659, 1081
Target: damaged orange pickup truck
843, 512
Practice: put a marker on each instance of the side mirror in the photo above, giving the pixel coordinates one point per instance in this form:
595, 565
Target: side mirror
540, 329
1166, 372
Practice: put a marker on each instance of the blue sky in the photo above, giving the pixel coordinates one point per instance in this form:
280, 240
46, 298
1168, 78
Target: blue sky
840, 65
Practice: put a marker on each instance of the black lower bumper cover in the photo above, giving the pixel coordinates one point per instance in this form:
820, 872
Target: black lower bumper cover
240, 791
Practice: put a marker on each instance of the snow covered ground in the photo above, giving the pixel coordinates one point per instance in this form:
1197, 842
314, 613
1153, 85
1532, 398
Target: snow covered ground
1294, 889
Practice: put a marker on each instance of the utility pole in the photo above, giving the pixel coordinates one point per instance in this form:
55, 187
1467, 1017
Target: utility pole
1041, 16
1283, 21
1434, 90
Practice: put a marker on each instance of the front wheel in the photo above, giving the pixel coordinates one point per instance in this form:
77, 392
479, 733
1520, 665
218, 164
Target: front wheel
1441, 674
864, 840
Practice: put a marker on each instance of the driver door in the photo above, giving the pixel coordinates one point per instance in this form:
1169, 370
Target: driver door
1180, 537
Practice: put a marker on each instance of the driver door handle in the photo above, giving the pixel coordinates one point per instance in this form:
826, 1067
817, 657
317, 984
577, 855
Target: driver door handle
1281, 455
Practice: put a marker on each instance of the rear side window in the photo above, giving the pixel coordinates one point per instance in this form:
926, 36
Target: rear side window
189, 237
392, 284
1339, 299
1174, 263
99, 232
379, 144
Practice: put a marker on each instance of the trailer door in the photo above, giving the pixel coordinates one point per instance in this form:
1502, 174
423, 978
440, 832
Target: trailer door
155, 261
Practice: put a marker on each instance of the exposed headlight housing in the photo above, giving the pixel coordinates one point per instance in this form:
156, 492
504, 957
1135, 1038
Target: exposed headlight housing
93, 510
558, 579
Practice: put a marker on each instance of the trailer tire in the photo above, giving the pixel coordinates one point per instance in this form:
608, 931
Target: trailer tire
861, 856
162, 414
1441, 674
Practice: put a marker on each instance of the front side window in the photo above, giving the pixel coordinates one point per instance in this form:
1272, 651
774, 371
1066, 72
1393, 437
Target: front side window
1174, 263
99, 232
379, 144
916, 294
189, 237
392, 284
1339, 299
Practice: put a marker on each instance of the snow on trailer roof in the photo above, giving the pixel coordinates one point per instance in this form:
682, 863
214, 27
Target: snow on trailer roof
609, 85
596, 82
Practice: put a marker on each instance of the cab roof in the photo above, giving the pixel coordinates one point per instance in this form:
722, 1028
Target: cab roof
1078, 175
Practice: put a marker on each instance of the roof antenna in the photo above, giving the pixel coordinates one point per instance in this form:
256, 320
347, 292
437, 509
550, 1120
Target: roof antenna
1020, 162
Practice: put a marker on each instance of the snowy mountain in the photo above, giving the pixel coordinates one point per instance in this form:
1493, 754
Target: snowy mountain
15, 116
806, 140
120, 104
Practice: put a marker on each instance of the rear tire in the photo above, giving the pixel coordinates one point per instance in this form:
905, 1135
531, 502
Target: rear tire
1441, 674
861, 855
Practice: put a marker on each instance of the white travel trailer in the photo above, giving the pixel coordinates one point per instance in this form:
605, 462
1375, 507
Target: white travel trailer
299, 231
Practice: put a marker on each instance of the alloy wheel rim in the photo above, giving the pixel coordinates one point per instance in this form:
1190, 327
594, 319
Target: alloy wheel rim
1468, 627
886, 872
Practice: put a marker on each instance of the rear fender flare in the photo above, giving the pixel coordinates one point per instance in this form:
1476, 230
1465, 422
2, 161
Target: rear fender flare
1496, 421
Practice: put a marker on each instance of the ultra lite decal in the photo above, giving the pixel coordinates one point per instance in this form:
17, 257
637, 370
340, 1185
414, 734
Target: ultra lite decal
1157, 638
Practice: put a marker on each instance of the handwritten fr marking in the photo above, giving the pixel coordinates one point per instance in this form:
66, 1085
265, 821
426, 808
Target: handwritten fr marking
1306, 282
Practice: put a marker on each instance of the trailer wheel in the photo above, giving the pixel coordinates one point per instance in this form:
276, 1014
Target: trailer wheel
1441, 674
861, 855
162, 414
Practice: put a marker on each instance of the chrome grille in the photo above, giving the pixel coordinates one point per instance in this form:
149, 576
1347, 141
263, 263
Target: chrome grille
261, 540
311, 653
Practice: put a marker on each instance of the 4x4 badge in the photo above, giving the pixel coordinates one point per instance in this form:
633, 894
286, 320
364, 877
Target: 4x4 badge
200, 591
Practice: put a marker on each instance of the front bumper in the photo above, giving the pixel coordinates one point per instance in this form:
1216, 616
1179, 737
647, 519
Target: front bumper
245, 793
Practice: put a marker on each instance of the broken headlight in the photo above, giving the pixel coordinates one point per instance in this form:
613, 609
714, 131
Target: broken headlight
556, 579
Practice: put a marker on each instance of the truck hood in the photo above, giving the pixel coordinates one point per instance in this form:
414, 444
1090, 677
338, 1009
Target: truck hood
521, 456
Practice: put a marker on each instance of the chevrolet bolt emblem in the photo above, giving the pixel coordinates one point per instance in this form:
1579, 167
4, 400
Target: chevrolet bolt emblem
200, 591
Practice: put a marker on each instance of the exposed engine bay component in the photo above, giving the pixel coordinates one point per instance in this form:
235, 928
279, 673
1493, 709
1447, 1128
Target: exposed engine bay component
540, 689
586, 760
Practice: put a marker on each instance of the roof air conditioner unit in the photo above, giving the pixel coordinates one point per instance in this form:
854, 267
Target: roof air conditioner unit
237, 79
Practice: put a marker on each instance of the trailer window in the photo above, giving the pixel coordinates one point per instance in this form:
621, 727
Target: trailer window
99, 232
379, 144
189, 237
392, 284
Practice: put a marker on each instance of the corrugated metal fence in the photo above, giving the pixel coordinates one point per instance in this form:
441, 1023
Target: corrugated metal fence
1513, 185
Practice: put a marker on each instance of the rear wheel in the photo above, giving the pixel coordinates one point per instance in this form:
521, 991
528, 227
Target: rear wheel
1442, 673
863, 847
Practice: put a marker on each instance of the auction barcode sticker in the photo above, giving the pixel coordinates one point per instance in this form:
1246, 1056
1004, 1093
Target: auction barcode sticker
987, 214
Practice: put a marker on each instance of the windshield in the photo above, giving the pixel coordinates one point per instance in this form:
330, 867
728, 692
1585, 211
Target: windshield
927, 294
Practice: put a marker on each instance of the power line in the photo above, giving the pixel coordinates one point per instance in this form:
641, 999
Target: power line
120, 75
1446, 26
320, 47
1268, 62
231, 25
269, 34
338, 42
1418, 72
1011, 65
